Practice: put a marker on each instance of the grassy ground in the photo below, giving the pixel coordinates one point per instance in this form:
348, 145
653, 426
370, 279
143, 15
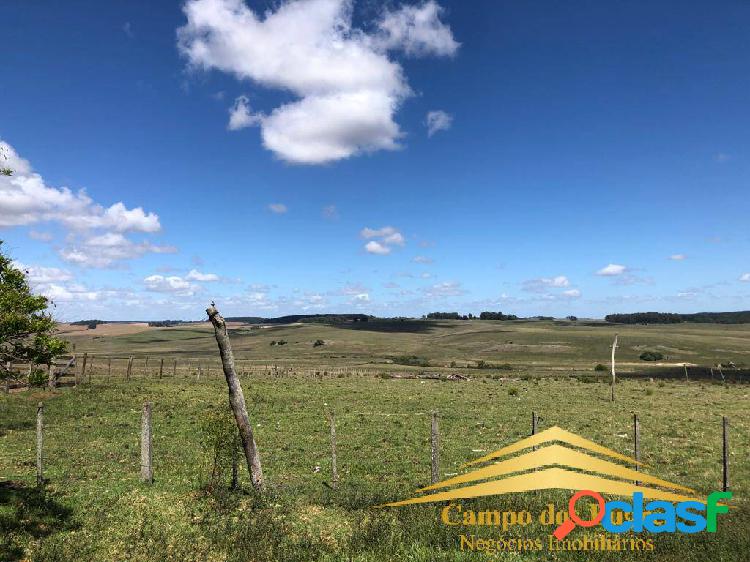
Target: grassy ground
95, 508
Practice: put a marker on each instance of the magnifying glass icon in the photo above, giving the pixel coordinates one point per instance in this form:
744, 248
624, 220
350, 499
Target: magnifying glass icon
562, 531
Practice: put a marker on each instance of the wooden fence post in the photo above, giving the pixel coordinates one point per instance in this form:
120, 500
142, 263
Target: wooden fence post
83, 367
145, 367
130, 368
161, 367
51, 374
334, 467
686, 372
8, 368
174, 368
636, 442
147, 473
91, 367
39, 443
614, 376
725, 453
237, 398
109, 367
435, 449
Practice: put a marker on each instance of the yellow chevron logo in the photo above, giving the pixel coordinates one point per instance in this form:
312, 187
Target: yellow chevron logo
549, 467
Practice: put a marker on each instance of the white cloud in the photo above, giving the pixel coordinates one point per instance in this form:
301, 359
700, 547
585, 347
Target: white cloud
71, 293
41, 275
745, 277
545, 283
388, 236
240, 115
438, 121
445, 289
417, 30
195, 275
278, 208
347, 87
25, 199
612, 270
572, 293
171, 284
104, 250
41, 236
677, 257
375, 247
422, 259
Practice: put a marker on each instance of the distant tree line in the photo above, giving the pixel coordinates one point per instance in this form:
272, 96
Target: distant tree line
91, 324
742, 317
496, 316
164, 323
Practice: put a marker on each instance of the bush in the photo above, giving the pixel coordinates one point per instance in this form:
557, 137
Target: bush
513, 391
38, 377
600, 367
411, 360
318, 343
651, 356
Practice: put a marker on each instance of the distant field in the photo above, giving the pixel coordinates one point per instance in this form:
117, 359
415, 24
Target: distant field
96, 509
534, 348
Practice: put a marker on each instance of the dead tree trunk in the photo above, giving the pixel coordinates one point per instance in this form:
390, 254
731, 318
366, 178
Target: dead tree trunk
614, 376
237, 399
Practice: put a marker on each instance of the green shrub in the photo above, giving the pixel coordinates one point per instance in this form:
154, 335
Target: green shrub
411, 360
512, 391
651, 356
600, 367
318, 343
38, 377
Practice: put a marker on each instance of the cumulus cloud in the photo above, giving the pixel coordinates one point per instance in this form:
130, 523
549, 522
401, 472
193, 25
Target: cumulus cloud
347, 88
104, 250
422, 259
438, 121
382, 240
240, 115
445, 289
170, 284
195, 275
417, 30
40, 275
375, 247
278, 208
545, 283
745, 277
677, 257
612, 270
26, 199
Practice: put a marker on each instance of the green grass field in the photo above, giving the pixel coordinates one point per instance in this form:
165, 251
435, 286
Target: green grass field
95, 508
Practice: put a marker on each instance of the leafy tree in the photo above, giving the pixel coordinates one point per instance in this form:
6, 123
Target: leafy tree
26, 327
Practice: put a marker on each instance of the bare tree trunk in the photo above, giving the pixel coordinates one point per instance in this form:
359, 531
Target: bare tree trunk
237, 399
614, 376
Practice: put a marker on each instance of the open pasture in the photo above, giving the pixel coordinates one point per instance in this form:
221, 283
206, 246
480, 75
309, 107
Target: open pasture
95, 507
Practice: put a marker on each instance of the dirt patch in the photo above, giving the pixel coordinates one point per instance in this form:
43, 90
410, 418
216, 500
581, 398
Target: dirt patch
107, 329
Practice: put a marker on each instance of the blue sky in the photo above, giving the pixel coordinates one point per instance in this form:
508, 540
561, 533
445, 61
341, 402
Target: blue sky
322, 156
